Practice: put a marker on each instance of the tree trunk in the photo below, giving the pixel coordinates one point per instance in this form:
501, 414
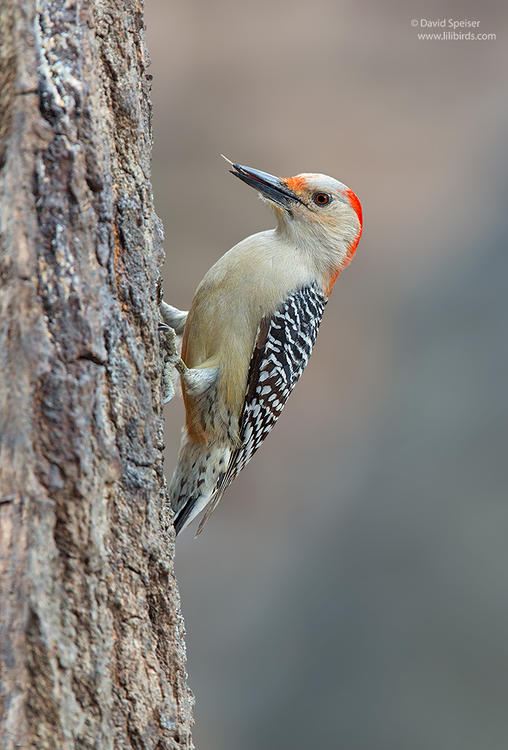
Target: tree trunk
92, 650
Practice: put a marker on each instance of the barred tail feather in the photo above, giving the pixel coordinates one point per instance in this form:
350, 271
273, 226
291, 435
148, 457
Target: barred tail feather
196, 478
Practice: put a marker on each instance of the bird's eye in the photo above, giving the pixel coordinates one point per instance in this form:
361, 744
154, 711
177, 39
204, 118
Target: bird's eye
321, 199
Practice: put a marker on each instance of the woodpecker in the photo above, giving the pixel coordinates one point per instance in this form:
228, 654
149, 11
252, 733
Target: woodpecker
251, 328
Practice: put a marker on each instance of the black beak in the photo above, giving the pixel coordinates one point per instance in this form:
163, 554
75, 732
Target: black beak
267, 184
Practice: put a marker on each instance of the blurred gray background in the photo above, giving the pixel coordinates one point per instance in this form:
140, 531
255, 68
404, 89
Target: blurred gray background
351, 590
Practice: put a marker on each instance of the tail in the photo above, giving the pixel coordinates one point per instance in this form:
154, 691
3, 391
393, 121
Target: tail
197, 480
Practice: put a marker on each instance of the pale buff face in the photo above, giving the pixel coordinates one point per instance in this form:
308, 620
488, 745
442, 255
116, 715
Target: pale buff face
327, 213
318, 214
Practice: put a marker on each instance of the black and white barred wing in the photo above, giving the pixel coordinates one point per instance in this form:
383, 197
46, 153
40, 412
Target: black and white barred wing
283, 346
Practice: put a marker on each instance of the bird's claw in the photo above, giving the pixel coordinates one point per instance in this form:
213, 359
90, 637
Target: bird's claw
172, 361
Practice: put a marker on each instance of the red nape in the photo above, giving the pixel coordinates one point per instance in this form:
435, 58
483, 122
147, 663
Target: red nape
355, 205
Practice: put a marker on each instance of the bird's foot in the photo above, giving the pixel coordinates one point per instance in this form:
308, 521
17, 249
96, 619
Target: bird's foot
172, 361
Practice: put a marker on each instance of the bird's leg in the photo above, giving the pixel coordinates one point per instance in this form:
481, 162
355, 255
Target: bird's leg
198, 380
173, 325
172, 361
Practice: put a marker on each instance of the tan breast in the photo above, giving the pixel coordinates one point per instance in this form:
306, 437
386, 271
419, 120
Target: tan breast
246, 284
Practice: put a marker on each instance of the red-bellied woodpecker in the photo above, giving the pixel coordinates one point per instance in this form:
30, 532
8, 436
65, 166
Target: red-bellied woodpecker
251, 327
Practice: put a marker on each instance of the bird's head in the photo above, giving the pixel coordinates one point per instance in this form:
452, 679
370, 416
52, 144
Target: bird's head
321, 215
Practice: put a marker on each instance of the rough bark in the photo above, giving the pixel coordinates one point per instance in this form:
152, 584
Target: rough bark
91, 636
